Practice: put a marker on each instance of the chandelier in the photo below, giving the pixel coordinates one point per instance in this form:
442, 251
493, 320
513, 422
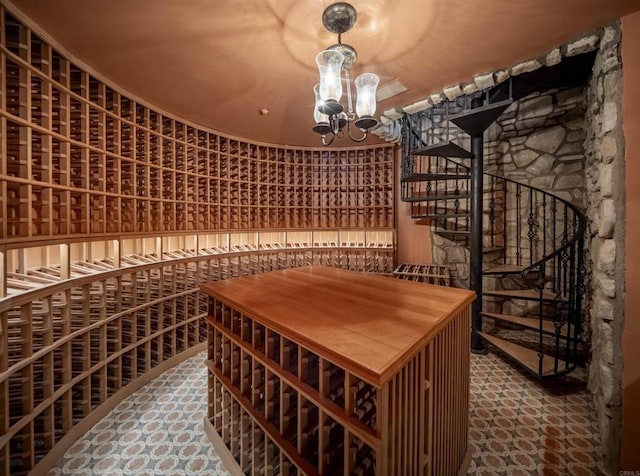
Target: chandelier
330, 116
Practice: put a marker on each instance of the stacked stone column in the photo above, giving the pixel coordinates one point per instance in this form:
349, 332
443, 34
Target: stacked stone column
604, 173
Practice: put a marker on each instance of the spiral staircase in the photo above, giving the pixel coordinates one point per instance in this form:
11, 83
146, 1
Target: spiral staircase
526, 245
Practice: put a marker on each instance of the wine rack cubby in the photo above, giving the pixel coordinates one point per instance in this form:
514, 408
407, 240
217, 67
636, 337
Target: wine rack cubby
113, 213
386, 395
80, 321
424, 273
83, 158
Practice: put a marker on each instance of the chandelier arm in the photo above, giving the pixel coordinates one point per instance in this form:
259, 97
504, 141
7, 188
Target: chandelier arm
361, 139
324, 142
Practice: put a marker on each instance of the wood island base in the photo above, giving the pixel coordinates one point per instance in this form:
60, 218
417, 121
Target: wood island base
323, 371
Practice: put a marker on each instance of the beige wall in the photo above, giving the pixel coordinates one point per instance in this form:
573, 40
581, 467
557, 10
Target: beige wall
631, 333
413, 236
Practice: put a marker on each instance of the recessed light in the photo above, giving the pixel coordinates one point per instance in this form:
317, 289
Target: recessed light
263, 111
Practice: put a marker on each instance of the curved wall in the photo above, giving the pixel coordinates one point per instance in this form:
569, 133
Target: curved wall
111, 216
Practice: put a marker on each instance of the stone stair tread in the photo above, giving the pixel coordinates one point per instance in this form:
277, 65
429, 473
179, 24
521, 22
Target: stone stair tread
444, 149
531, 322
528, 294
504, 269
432, 177
526, 357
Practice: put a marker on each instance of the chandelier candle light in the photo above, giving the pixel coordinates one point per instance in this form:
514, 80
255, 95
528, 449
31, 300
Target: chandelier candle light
328, 113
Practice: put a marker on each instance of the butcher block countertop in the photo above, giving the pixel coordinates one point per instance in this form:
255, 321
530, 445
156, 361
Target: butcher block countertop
371, 325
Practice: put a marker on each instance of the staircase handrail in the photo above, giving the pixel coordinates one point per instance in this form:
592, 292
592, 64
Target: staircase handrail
579, 214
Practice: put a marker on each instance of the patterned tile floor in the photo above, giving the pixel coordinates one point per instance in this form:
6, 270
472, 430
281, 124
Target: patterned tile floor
518, 427
156, 431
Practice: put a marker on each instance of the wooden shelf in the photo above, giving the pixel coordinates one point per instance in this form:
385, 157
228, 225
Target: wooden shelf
111, 215
104, 163
95, 316
424, 273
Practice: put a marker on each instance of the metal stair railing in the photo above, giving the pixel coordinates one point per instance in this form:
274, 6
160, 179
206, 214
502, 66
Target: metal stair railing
546, 238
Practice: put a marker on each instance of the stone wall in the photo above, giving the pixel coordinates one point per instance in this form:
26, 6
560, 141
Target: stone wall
538, 141
605, 210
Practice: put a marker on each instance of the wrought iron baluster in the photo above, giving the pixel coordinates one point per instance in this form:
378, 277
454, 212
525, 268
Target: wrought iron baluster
540, 289
531, 221
581, 289
544, 224
492, 212
424, 129
436, 205
564, 257
572, 294
446, 194
505, 209
560, 308
518, 227
558, 322
406, 145
554, 221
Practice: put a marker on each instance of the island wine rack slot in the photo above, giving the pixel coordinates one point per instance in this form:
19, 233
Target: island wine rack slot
281, 402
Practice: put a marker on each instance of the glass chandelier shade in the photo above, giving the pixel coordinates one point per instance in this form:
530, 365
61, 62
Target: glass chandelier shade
366, 85
329, 66
317, 115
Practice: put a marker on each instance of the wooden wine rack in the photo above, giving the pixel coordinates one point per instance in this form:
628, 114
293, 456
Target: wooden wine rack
112, 213
424, 273
323, 371
81, 158
87, 326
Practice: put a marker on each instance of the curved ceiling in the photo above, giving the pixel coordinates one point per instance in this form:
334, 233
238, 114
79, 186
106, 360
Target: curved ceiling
217, 63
